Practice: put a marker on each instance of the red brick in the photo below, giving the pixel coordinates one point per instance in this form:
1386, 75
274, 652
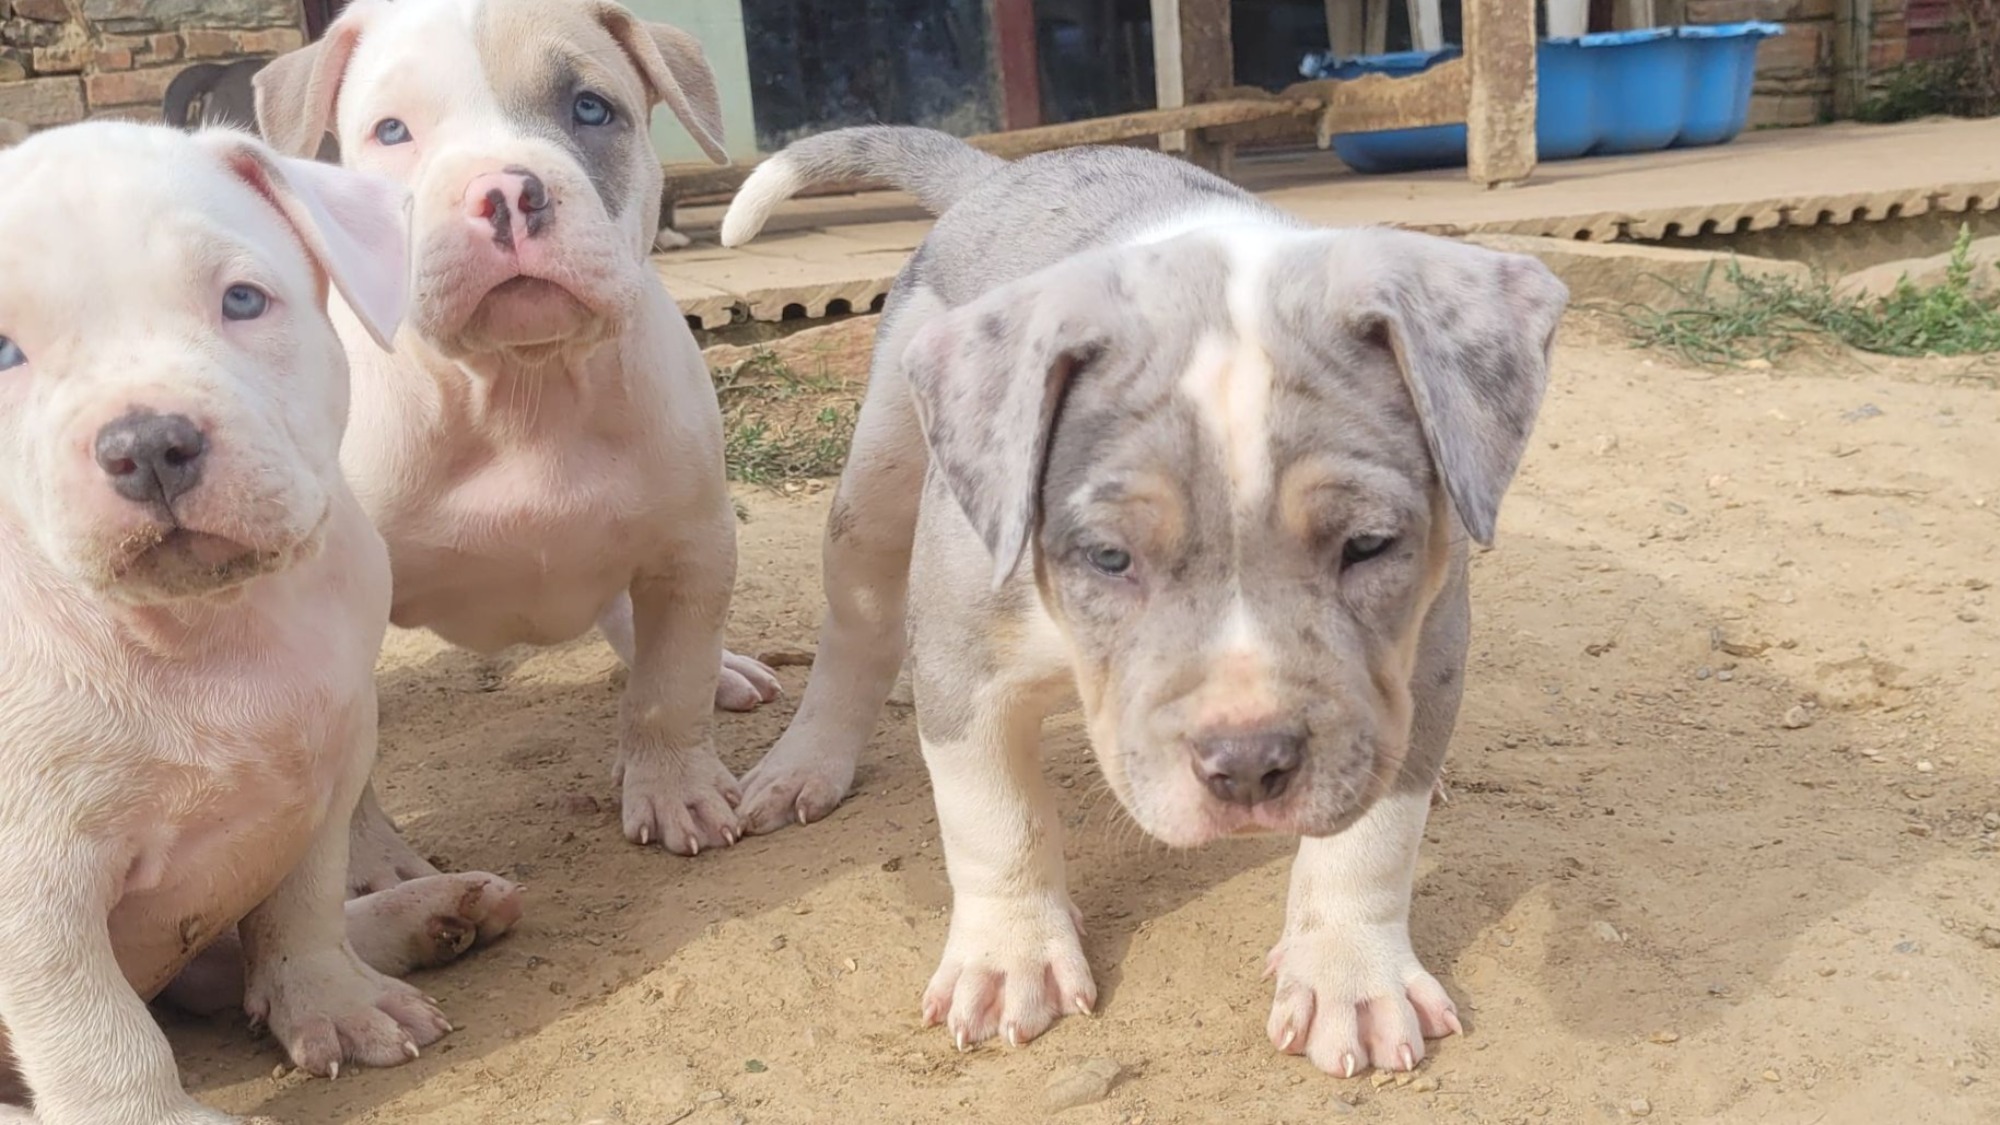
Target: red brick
1785, 110
207, 43
49, 11
111, 58
129, 87
270, 41
1888, 54
42, 101
1801, 47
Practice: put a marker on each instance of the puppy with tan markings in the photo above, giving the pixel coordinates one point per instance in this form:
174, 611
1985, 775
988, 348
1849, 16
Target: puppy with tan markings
1134, 435
543, 452
194, 604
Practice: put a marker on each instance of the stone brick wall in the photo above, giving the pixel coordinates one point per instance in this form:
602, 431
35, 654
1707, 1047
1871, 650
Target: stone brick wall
1796, 70
63, 61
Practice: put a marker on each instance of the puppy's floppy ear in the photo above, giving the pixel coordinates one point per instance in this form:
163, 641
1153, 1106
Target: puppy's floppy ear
355, 226
1472, 331
988, 379
675, 70
298, 93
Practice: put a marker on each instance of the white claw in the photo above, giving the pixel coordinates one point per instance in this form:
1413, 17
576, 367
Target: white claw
958, 1037
645, 836
1083, 1007
1291, 1033
1347, 1061
1409, 1057
333, 1071
800, 809
1013, 1036
410, 1049
694, 846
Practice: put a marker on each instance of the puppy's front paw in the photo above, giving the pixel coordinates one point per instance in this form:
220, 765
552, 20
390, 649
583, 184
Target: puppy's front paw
800, 780
1352, 997
685, 803
1011, 969
330, 1008
745, 684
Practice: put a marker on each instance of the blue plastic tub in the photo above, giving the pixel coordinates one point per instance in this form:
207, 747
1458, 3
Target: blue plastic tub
1621, 91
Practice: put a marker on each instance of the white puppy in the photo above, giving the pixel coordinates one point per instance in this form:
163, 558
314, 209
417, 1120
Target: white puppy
194, 605
543, 452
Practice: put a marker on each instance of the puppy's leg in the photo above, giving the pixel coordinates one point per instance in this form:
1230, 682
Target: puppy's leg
745, 683
377, 856
1351, 993
1013, 963
303, 977
866, 565
422, 924
83, 1040
677, 793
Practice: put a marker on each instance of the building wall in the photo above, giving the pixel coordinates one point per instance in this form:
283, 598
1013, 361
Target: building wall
63, 61
1796, 71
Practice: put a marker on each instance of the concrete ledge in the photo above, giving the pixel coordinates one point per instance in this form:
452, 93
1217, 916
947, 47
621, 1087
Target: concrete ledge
1625, 273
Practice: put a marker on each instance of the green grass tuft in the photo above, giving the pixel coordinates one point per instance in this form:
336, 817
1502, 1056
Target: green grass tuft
778, 426
1763, 318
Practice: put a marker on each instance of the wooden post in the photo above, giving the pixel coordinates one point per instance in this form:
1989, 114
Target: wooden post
1500, 111
1192, 58
1345, 28
1853, 24
1014, 52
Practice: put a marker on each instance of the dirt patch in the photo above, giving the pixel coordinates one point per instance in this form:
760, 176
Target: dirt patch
1722, 847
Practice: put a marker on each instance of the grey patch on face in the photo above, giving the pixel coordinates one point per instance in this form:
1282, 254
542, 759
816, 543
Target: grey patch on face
542, 102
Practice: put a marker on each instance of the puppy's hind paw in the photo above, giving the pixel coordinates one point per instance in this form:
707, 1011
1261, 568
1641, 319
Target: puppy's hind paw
745, 684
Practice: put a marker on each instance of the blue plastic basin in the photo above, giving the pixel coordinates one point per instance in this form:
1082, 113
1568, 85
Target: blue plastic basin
1621, 91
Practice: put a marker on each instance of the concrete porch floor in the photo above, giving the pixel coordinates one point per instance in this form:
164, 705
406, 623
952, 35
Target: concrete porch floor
841, 253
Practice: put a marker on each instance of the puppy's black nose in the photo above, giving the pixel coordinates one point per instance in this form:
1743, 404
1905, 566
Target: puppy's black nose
1249, 769
151, 458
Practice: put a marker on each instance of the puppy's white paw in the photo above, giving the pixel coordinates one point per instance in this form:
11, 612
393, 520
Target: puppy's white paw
745, 684
429, 922
1011, 969
1352, 997
685, 803
330, 1008
800, 780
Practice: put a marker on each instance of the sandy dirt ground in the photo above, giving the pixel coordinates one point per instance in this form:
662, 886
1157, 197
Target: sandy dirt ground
1722, 845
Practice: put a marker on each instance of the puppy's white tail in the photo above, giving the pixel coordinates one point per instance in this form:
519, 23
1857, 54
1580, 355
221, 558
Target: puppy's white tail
935, 167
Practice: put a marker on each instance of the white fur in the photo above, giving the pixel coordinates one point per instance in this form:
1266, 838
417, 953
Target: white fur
183, 756
769, 184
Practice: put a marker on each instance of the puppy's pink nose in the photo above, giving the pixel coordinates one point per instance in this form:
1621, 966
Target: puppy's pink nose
511, 204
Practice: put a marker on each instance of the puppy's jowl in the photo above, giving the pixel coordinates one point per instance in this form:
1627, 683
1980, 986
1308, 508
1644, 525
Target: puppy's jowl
194, 604
1135, 436
543, 452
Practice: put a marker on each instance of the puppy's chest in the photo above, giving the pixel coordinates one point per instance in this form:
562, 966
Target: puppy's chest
529, 544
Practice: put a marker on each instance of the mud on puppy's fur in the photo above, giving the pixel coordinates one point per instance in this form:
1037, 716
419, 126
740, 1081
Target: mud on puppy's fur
543, 451
194, 605
1134, 436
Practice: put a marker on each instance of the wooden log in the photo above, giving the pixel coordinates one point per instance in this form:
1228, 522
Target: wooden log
1017, 65
1193, 57
690, 182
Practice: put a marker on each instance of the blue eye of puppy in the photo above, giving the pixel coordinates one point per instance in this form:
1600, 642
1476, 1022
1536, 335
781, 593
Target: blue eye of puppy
391, 131
10, 354
591, 110
1361, 548
244, 302
1110, 561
